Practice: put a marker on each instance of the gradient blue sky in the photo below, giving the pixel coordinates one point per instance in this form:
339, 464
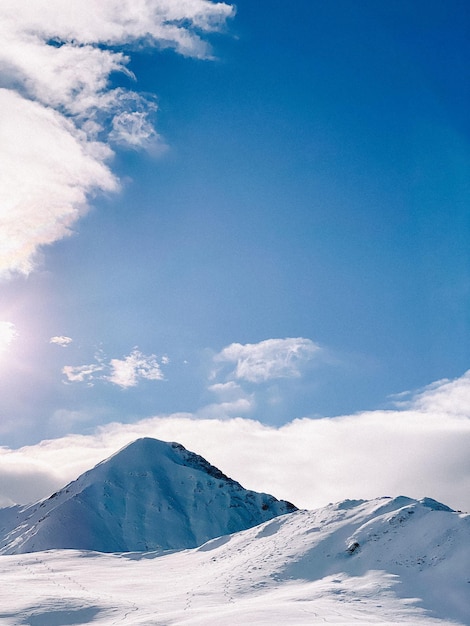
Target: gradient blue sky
308, 199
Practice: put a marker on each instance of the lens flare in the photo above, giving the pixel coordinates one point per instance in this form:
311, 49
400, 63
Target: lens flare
7, 335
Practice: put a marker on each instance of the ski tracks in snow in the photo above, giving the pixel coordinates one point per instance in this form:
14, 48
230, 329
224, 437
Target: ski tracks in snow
56, 580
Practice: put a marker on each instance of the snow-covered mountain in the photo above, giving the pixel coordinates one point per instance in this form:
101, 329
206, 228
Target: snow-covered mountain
388, 561
135, 518
151, 495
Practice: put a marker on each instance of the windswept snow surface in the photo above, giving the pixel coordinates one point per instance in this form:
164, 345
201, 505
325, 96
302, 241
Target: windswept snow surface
152, 495
387, 561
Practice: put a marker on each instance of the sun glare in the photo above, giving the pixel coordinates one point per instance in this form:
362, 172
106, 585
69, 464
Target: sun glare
7, 334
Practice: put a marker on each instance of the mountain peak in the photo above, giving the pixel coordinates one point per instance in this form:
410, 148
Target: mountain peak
148, 451
150, 495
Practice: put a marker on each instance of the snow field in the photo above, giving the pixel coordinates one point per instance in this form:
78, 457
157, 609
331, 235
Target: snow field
295, 569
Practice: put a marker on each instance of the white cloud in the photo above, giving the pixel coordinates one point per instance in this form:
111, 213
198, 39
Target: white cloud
162, 23
125, 372
415, 451
229, 390
59, 111
61, 340
447, 396
48, 169
269, 359
134, 130
226, 409
232, 401
82, 373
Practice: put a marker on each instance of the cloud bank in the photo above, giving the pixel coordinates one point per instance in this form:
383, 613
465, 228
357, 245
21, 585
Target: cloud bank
60, 112
418, 450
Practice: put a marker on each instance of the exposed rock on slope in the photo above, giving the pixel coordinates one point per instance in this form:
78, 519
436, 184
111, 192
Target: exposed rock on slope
151, 495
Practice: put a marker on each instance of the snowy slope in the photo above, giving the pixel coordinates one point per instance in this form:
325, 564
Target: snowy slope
388, 561
151, 495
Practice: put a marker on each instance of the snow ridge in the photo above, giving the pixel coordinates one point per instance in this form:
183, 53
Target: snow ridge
395, 561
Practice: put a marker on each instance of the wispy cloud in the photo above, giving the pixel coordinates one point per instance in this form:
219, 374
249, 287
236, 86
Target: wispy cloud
269, 359
232, 401
125, 372
418, 451
228, 391
60, 111
61, 340
82, 373
227, 409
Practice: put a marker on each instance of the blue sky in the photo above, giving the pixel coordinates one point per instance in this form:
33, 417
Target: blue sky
291, 240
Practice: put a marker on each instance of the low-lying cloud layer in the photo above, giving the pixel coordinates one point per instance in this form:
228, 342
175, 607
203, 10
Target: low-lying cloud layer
60, 112
420, 449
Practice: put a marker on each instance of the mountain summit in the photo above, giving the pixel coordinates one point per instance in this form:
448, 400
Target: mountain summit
151, 495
